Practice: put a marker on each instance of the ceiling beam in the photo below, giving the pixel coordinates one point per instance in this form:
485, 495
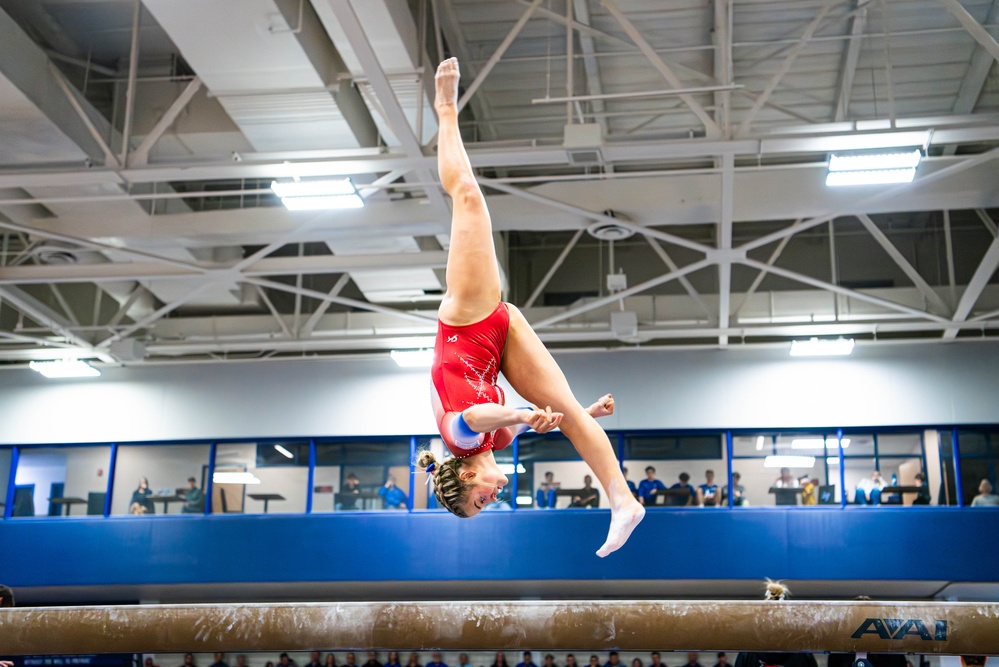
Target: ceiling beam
141, 153
974, 28
986, 268
725, 245
42, 314
851, 56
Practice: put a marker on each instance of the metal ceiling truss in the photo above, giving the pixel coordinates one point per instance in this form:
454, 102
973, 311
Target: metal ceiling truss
722, 144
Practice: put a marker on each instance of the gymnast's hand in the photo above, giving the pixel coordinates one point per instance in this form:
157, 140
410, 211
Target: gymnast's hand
543, 421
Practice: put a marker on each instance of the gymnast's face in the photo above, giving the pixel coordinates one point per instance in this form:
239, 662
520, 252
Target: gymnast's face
485, 483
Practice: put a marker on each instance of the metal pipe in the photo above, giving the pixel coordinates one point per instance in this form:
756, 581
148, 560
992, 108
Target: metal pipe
624, 96
133, 71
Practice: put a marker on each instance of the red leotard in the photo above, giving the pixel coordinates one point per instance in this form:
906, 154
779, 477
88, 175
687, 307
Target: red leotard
466, 363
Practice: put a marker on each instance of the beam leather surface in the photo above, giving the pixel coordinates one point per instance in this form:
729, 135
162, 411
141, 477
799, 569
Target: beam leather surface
914, 627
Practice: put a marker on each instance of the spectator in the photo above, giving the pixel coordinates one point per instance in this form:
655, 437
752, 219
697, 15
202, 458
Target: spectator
739, 495
188, 660
219, 662
923, 495
331, 660
463, 660
549, 661
350, 660
393, 659
351, 488
500, 660
637, 662
546, 492
656, 660
570, 661
692, 659
240, 661
681, 499
594, 661
414, 660
786, 481
707, 493
6, 596
527, 662
612, 659
869, 489
314, 660
141, 503
148, 663
372, 660
587, 496
194, 499
437, 662
285, 661
393, 498
649, 487
809, 490
985, 497
631, 485
722, 660
268, 664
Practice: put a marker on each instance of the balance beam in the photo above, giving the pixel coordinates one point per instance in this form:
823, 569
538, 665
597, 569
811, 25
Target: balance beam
951, 628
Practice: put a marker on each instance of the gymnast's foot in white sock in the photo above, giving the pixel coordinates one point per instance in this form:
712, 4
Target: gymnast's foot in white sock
447, 83
623, 521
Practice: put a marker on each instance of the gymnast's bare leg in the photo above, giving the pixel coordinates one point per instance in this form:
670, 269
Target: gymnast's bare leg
473, 291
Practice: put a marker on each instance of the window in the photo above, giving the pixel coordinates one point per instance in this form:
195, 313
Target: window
260, 478
164, 471
541, 454
358, 471
674, 470
61, 481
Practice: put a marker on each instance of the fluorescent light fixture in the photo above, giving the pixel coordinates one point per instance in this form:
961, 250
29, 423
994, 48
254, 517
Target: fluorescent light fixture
320, 194
789, 462
817, 443
873, 177
284, 451
413, 358
66, 368
507, 468
834, 460
234, 478
821, 347
759, 443
525, 500
873, 168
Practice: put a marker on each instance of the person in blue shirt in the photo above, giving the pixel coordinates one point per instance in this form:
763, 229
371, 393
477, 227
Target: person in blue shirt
393, 497
631, 485
436, 660
194, 498
649, 487
527, 662
546, 492
684, 484
707, 493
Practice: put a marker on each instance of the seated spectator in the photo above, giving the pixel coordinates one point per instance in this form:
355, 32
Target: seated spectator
141, 503
393, 498
285, 661
785, 481
6, 597
526, 662
656, 660
219, 662
570, 661
637, 662
546, 492
188, 660
414, 660
739, 495
314, 660
613, 660
436, 662
722, 660
500, 660
549, 661
810, 490
680, 499
707, 493
331, 660
350, 660
631, 486
463, 660
869, 489
240, 661
692, 659
372, 660
594, 661
587, 496
393, 659
351, 487
148, 663
649, 487
923, 495
194, 499
985, 497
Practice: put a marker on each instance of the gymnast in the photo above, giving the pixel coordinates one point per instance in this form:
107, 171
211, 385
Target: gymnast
479, 336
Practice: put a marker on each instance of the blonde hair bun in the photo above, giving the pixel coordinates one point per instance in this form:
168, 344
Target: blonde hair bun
425, 458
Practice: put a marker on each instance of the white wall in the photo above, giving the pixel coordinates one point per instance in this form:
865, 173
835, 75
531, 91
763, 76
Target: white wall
706, 389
